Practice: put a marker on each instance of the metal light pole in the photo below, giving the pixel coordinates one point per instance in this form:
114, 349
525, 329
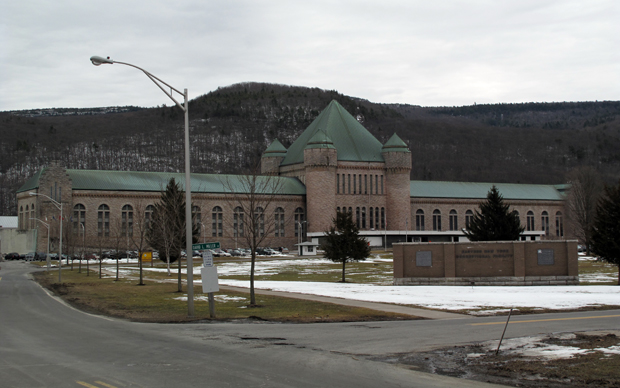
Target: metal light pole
83, 245
406, 229
96, 60
59, 206
47, 257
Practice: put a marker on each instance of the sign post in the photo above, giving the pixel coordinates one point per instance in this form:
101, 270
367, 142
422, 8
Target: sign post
208, 273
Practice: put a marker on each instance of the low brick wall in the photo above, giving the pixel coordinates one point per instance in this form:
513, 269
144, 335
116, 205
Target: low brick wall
503, 263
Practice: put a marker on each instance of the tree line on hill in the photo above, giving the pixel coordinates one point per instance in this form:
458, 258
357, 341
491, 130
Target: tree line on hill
231, 127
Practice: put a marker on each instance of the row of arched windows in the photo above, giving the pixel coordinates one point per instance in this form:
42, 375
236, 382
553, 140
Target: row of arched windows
453, 220
453, 223
217, 220
375, 216
103, 220
27, 216
238, 221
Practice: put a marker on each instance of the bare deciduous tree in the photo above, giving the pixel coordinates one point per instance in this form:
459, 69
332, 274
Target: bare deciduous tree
138, 232
253, 195
586, 188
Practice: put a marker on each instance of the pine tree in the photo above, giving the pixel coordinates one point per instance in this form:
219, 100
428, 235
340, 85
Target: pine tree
343, 243
494, 221
166, 231
606, 230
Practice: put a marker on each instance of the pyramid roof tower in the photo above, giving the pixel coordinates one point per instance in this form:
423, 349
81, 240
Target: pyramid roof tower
275, 149
352, 141
395, 144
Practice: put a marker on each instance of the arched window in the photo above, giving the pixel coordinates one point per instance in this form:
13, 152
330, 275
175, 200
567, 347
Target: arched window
357, 216
238, 222
382, 216
363, 218
299, 219
22, 224
419, 219
197, 218
436, 220
79, 218
545, 222
259, 218
469, 216
279, 222
453, 218
530, 221
127, 221
559, 225
371, 224
33, 221
103, 221
148, 216
216, 222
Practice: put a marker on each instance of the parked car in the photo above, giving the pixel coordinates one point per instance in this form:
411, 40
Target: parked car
263, 251
221, 253
12, 256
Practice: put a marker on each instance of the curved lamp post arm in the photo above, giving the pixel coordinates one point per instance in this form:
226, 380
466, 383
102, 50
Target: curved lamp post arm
59, 206
97, 61
47, 257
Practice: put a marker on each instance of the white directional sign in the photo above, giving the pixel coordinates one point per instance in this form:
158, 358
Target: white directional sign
207, 259
209, 279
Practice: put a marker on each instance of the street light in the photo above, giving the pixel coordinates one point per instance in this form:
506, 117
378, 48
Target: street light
47, 258
301, 234
96, 60
59, 206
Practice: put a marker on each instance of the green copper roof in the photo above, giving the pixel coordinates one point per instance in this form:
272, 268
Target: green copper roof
157, 181
395, 144
275, 149
469, 190
320, 140
31, 183
351, 139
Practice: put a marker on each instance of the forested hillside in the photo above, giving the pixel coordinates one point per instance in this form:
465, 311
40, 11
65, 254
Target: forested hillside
231, 127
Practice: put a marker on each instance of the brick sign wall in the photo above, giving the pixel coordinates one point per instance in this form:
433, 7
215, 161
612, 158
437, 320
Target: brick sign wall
486, 263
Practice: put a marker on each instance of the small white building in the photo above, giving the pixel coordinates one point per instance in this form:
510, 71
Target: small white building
308, 248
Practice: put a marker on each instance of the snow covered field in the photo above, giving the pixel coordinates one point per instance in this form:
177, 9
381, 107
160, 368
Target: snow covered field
481, 299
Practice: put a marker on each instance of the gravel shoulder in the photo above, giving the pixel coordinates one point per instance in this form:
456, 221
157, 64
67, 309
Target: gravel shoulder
585, 359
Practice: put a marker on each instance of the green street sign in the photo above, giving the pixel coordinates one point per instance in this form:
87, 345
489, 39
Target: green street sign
202, 247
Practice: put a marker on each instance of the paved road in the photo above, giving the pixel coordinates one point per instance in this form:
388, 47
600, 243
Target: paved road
44, 343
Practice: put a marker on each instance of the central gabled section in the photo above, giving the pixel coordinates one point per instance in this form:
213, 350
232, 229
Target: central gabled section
353, 141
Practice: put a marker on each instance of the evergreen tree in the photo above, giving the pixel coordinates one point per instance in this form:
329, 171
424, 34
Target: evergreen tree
606, 230
494, 221
166, 231
343, 243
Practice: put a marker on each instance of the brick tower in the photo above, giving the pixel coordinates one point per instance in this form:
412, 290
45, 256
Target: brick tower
397, 171
320, 162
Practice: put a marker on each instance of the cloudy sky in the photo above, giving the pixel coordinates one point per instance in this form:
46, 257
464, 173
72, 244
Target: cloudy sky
421, 52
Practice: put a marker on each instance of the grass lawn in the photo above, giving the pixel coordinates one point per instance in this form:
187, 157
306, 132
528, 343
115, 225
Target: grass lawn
160, 302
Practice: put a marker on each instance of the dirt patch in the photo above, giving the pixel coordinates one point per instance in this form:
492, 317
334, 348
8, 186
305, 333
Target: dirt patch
580, 360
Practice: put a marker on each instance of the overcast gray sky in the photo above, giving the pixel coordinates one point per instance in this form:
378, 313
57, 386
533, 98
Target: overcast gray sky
417, 52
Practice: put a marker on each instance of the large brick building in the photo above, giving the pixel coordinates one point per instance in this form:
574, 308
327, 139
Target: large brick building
334, 165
